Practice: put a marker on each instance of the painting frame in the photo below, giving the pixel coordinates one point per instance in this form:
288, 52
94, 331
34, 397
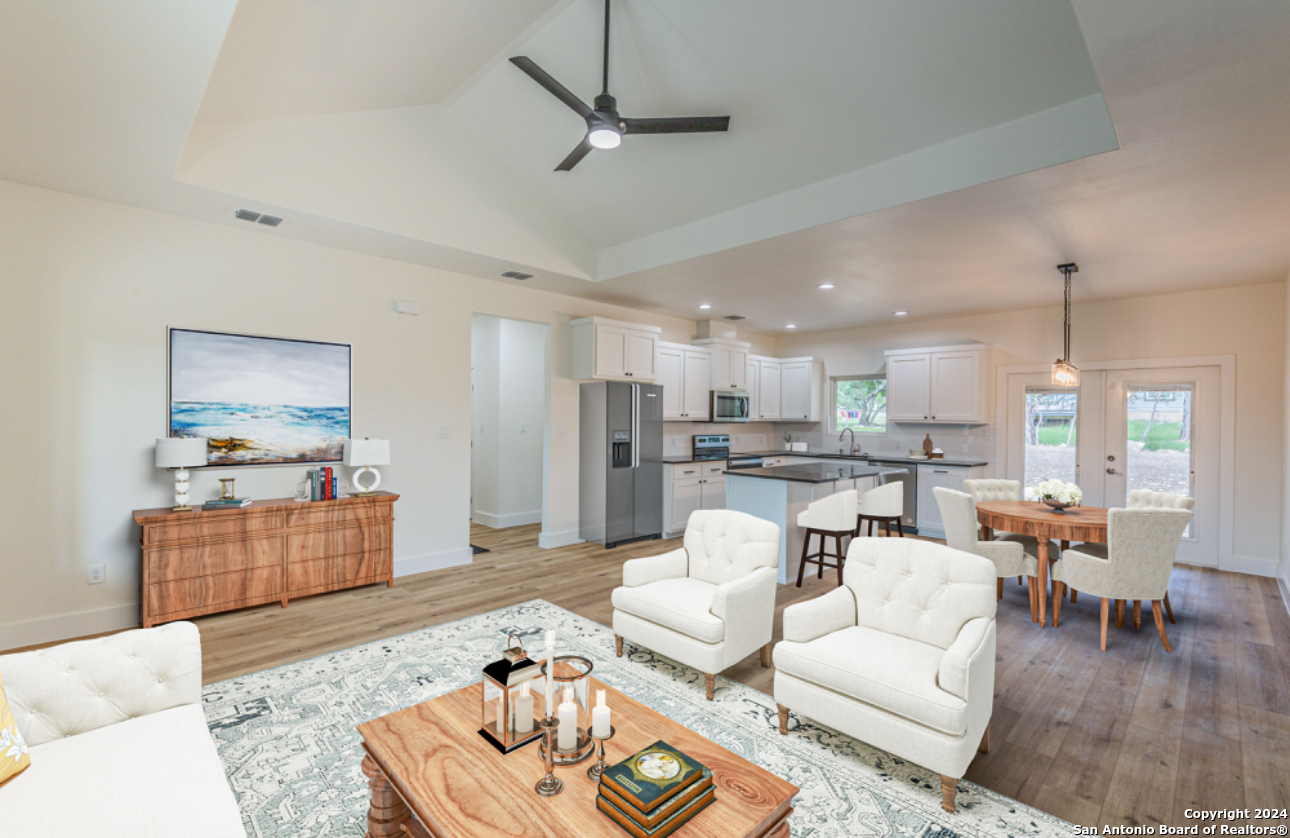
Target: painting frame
222, 458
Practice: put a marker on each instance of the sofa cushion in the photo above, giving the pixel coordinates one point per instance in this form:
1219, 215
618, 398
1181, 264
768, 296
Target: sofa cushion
887, 671
680, 604
151, 777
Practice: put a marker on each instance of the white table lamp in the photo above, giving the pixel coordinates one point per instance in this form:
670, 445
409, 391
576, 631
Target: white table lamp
179, 453
367, 453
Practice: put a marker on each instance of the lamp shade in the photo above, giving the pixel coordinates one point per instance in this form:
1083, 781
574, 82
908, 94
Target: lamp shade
367, 452
180, 452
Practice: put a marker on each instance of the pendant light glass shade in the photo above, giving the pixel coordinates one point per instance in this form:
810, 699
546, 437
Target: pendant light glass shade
1064, 372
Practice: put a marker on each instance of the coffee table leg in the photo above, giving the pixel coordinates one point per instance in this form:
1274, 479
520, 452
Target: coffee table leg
781, 829
387, 814
1043, 577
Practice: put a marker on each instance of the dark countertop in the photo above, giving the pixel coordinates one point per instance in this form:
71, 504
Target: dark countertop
962, 462
810, 472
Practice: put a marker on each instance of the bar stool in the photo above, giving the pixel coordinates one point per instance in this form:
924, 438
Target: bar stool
832, 516
884, 505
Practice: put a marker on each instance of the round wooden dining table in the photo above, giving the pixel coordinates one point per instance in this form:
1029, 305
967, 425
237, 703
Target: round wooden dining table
1023, 517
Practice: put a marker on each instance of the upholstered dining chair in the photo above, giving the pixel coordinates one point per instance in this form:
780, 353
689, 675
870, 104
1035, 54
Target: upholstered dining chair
708, 604
1135, 563
1009, 557
883, 505
901, 656
984, 490
833, 516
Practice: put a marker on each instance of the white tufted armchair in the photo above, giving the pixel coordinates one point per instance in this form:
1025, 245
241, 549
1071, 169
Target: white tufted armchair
709, 604
901, 656
119, 743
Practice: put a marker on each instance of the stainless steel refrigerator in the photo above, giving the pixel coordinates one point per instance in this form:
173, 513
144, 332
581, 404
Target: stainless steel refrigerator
620, 465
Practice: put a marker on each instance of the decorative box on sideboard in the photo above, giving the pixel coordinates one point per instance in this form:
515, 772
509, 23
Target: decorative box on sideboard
206, 561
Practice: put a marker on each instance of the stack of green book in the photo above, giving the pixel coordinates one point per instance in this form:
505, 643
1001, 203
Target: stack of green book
656, 791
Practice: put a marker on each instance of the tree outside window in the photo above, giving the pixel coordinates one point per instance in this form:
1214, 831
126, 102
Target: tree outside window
860, 404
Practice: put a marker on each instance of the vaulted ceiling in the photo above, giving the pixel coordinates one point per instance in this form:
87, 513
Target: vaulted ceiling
938, 156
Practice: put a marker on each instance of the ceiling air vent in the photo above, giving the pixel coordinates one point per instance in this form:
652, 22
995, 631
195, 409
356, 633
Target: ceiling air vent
270, 220
246, 215
734, 317
516, 275
257, 217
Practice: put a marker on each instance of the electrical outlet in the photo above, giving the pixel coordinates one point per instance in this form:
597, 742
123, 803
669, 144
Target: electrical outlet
987, 433
97, 574
445, 432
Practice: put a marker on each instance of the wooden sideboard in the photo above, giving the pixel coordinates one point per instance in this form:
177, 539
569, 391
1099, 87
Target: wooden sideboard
202, 562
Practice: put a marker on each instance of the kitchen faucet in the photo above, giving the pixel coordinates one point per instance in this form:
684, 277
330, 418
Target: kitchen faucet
851, 431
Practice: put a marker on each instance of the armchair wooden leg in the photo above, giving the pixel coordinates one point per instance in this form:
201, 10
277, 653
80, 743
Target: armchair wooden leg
1160, 624
1000, 587
710, 684
783, 719
618, 645
1106, 608
1057, 602
1119, 613
765, 656
1137, 614
984, 747
1169, 610
949, 791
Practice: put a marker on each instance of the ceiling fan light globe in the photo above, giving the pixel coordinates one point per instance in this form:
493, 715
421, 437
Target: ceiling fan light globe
604, 136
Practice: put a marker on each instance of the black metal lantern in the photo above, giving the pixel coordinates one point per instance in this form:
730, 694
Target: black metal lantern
508, 699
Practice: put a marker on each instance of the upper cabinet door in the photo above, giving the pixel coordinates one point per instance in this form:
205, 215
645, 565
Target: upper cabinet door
955, 388
722, 368
795, 390
738, 368
751, 385
694, 401
670, 367
909, 388
641, 349
768, 390
611, 351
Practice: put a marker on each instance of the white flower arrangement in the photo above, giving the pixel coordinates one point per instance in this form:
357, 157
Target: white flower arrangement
1060, 491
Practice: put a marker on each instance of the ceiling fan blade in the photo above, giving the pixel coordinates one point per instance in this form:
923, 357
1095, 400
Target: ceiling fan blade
677, 125
556, 89
584, 148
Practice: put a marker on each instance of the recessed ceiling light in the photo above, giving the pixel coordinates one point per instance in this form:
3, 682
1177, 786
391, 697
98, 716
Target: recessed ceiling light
826, 286
704, 306
900, 313
791, 326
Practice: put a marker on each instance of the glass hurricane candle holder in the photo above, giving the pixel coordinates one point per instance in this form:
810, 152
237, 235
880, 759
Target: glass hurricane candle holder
574, 672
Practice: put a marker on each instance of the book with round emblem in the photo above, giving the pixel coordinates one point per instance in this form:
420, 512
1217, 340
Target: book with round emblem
655, 791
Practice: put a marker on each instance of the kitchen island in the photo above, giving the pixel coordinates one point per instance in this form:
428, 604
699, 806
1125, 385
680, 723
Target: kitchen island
779, 493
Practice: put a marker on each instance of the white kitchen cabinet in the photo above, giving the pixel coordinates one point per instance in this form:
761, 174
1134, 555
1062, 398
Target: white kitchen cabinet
686, 496
712, 493
684, 373
768, 389
799, 390
942, 385
612, 349
929, 477
729, 363
691, 486
753, 367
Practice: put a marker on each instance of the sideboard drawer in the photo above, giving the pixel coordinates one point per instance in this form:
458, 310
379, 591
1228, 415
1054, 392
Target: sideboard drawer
321, 544
204, 591
232, 526
170, 563
338, 515
341, 572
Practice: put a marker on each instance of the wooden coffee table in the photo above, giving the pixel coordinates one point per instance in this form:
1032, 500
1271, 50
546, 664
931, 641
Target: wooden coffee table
433, 776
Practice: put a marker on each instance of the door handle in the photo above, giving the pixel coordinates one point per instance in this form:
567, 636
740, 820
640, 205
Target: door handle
1112, 471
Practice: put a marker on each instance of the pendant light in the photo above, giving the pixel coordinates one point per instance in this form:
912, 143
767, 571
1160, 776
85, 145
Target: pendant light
1064, 372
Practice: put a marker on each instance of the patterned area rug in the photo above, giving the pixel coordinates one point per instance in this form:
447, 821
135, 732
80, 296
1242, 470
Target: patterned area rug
288, 743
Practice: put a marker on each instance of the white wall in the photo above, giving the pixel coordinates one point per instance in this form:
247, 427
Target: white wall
89, 288
1285, 469
1248, 322
510, 361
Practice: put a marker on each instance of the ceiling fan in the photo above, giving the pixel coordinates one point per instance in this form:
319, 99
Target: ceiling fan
605, 127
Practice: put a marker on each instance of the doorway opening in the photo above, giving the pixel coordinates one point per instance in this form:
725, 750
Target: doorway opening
510, 383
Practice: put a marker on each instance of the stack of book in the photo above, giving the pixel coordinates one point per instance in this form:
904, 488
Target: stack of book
655, 792
227, 503
322, 483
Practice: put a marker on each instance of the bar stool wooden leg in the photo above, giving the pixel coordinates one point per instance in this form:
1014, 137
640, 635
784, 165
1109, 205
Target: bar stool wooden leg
801, 569
841, 559
900, 527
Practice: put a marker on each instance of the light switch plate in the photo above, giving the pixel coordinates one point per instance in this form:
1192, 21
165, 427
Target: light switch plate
445, 431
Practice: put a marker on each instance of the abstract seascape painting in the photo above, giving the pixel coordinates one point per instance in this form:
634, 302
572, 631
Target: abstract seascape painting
260, 401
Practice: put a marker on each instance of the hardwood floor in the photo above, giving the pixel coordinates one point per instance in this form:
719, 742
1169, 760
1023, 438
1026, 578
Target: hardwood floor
1133, 735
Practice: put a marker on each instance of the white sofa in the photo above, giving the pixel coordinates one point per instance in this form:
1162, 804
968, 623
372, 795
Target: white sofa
709, 604
901, 656
119, 743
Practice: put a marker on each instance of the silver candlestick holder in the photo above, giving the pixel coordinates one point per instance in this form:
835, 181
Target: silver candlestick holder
550, 785
600, 765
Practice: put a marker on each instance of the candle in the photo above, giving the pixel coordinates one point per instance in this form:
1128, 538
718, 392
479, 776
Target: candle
600, 716
524, 710
567, 733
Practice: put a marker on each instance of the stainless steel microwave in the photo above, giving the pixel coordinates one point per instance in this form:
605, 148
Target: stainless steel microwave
730, 406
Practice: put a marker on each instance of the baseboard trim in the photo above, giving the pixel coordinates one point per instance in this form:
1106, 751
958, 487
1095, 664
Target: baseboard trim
1283, 582
501, 522
65, 626
409, 565
551, 540
1252, 566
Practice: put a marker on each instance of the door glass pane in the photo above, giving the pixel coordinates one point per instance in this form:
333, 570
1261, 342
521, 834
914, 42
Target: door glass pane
1158, 447
1051, 436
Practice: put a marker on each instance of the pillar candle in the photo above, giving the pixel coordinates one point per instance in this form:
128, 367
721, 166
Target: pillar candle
567, 733
600, 716
524, 710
